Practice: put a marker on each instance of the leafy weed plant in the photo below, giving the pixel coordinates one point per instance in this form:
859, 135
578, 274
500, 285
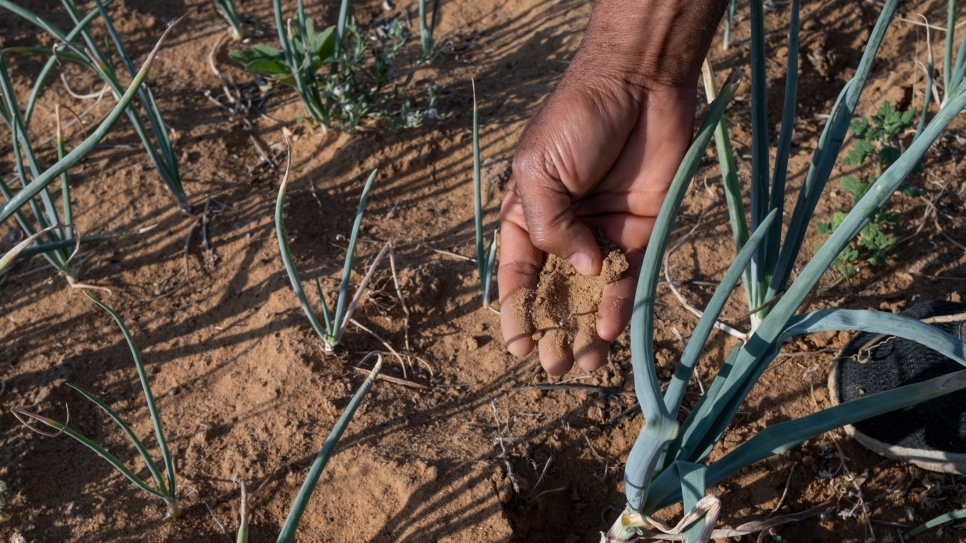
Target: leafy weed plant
876, 144
166, 489
345, 76
667, 463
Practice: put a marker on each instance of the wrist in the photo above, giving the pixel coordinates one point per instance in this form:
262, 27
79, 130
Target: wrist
650, 41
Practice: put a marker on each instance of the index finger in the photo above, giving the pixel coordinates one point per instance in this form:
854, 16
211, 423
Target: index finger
517, 276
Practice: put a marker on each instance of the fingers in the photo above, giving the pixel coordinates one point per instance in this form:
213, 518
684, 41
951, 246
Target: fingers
563, 154
548, 212
588, 350
616, 306
556, 354
517, 275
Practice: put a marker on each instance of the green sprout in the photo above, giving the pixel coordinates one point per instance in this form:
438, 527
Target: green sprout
668, 463
953, 71
166, 489
227, 10
333, 324
484, 257
729, 23
344, 75
938, 521
312, 479
877, 144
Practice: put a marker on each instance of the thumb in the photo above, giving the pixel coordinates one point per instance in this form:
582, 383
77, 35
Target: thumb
563, 153
553, 228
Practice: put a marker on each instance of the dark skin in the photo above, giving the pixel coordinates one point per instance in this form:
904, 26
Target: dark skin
601, 152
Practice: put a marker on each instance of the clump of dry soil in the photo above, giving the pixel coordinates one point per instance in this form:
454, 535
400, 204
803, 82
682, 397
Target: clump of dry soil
563, 307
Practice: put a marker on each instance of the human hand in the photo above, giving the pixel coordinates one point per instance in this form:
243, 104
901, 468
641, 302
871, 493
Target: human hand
601, 152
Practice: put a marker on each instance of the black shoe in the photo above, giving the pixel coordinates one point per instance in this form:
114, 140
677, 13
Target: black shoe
932, 434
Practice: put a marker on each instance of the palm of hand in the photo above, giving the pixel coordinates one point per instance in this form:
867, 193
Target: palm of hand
603, 156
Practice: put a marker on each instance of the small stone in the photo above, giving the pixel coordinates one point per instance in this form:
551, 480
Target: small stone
808, 461
174, 391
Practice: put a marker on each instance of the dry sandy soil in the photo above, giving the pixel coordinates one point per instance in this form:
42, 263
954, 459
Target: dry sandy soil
244, 385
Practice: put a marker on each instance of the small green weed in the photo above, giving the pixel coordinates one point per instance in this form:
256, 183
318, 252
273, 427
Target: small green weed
876, 143
362, 82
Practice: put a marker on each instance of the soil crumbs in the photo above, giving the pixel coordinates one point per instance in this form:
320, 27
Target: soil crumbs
563, 308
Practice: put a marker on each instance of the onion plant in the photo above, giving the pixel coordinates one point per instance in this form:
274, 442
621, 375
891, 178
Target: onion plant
333, 324
227, 10
484, 257
938, 521
954, 68
312, 479
99, 58
667, 462
8, 258
43, 208
426, 29
33, 192
166, 489
729, 23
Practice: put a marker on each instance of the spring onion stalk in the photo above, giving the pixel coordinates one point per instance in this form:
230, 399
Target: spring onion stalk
166, 489
333, 324
31, 188
8, 258
426, 29
312, 479
43, 209
668, 463
227, 10
938, 521
156, 141
485, 256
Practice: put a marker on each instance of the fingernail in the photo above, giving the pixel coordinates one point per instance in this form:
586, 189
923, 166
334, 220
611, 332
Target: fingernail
583, 263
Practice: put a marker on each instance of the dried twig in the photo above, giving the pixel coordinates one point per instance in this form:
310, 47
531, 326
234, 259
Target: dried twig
506, 461
394, 380
781, 500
